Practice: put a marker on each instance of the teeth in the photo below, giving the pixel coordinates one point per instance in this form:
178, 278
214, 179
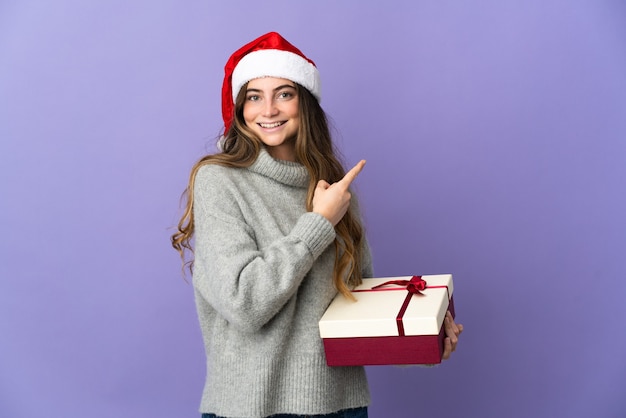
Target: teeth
270, 125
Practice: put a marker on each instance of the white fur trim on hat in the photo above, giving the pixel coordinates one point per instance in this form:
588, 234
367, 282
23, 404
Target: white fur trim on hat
279, 64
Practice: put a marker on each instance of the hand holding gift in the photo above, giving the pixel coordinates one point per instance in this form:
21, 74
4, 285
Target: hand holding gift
453, 331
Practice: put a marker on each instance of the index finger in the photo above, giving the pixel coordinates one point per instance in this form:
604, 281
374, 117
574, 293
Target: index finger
351, 175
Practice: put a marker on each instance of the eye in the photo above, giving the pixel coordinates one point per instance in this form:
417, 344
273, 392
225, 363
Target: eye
253, 98
285, 94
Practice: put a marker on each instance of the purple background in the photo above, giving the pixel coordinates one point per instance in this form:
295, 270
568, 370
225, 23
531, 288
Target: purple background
495, 136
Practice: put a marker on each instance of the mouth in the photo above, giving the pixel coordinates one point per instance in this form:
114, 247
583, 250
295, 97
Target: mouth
271, 125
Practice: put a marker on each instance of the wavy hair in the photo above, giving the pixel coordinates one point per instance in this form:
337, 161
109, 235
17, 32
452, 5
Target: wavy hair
315, 151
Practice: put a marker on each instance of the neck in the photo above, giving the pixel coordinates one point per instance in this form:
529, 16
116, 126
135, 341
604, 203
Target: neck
284, 152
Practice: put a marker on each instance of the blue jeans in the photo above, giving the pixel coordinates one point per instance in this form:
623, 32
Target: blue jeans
345, 413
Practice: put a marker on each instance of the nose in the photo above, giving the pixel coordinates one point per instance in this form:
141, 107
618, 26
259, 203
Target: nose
269, 108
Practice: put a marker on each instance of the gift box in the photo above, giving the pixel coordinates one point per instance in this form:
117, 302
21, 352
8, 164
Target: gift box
395, 321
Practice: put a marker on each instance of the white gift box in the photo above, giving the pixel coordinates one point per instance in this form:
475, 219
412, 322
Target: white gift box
388, 324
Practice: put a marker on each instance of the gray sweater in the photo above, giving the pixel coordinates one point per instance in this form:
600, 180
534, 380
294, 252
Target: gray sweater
262, 279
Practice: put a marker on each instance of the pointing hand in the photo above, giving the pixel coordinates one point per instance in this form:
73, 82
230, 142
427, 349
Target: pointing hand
333, 200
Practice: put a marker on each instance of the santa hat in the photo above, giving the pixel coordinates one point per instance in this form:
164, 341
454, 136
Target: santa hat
270, 55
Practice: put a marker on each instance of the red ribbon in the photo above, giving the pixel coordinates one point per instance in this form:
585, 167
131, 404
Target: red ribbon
413, 287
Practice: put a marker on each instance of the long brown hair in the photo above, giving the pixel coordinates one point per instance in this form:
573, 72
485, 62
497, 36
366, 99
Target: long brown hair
315, 151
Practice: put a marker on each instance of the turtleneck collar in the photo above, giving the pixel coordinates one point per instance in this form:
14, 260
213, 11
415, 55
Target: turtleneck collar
286, 172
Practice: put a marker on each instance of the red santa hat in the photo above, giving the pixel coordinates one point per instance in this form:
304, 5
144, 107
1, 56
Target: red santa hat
270, 55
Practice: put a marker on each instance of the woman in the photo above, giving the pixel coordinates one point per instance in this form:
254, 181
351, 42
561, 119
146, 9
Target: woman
275, 237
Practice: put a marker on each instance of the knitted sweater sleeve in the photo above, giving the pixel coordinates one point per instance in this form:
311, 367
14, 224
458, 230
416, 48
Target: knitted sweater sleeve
245, 284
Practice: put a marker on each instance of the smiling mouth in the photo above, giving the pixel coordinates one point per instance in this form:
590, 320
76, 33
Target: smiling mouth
270, 125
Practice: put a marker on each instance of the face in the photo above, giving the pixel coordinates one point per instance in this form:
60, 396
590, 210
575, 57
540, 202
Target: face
271, 111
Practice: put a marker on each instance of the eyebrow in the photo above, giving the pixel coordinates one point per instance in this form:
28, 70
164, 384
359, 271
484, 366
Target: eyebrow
276, 89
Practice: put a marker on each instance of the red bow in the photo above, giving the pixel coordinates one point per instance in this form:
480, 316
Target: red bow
413, 286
